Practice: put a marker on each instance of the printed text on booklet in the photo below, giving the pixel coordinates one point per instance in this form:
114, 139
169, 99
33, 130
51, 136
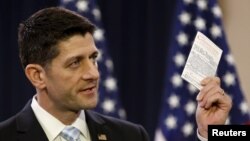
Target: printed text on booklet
202, 61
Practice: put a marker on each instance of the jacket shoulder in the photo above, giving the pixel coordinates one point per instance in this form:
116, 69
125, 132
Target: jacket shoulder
10, 122
8, 128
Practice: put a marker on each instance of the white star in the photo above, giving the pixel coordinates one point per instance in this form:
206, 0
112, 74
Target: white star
229, 79
176, 80
170, 122
122, 113
110, 84
215, 31
108, 105
182, 39
199, 23
96, 12
187, 129
98, 35
192, 89
217, 11
190, 107
185, 18
230, 59
179, 59
202, 4
100, 54
82, 5
244, 107
174, 101
159, 135
188, 1
109, 64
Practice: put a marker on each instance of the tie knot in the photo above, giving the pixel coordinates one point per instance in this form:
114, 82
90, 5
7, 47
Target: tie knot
70, 133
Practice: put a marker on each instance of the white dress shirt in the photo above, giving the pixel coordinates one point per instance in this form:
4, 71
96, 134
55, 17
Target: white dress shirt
200, 137
52, 126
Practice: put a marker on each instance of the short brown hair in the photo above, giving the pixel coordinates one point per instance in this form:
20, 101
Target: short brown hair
39, 34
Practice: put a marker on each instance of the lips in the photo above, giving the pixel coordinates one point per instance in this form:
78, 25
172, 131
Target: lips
88, 89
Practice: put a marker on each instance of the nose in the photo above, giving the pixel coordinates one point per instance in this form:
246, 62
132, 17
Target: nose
91, 71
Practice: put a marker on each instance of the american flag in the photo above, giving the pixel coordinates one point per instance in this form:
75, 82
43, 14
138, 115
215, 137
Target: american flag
177, 119
109, 103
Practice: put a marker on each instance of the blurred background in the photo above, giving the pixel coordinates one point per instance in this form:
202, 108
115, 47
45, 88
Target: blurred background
236, 21
146, 44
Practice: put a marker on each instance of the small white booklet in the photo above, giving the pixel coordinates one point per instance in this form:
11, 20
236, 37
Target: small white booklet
202, 61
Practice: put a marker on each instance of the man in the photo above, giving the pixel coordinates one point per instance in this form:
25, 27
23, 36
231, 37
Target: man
58, 53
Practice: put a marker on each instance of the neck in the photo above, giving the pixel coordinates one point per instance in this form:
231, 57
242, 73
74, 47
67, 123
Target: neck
66, 116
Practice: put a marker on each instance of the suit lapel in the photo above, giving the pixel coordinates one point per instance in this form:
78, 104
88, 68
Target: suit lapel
97, 127
28, 127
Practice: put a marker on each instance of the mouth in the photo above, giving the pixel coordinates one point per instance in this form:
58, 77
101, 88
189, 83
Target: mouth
89, 90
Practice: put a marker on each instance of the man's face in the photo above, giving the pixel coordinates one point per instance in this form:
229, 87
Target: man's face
72, 77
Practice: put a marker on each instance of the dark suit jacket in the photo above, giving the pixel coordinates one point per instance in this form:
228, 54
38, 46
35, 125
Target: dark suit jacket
25, 127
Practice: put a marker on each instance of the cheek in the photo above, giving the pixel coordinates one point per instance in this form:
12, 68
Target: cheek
63, 81
66, 79
59, 84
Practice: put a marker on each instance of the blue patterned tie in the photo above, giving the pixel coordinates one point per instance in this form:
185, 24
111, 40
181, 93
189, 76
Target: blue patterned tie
70, 133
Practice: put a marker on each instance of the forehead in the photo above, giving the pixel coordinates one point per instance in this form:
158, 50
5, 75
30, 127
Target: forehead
77, 44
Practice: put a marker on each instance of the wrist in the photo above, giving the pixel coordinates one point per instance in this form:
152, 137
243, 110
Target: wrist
203, 133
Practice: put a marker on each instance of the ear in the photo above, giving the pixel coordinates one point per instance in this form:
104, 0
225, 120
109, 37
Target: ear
36, 75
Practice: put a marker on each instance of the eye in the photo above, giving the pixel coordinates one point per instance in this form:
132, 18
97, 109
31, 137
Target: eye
94, 57
75, 63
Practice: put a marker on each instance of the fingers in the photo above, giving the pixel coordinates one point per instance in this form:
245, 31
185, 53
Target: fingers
211, 85
212, 97
211, 93
222, 92
211, 100
209, 79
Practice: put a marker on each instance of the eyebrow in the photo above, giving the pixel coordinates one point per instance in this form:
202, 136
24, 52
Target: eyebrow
80, 57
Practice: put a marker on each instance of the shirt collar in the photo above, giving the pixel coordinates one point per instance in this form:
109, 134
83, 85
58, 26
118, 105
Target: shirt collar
80, 124
52, 126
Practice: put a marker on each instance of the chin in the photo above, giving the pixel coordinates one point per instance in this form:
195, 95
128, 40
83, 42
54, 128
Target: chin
91, 105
